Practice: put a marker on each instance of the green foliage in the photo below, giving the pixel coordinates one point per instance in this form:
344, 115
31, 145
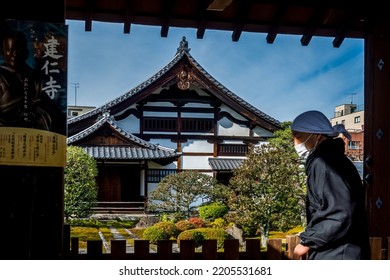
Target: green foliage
269, 187
212, 211
80, 189
169, 227
161, 231
207, 233
177, 193
219, 223
153, 234
184, 225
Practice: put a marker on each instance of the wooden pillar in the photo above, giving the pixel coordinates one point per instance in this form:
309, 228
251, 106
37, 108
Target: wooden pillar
376, 134
31, 197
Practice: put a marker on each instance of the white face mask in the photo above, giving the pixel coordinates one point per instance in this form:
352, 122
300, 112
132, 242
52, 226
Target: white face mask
301, 149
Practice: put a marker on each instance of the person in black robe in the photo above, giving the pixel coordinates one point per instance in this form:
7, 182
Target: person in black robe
335, 203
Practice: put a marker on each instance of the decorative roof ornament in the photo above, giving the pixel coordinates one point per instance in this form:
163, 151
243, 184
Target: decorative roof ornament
183, 47
184, 78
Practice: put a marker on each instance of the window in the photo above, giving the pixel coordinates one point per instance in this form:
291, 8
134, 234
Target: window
357, 119
197, 125
353, 145
171, 124
232, 150
160, 124
156, 175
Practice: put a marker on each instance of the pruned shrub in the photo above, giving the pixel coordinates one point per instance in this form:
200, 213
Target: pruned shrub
153, 234
184, 225
169, 227
198, 222
219, 223
213, 211
207, 234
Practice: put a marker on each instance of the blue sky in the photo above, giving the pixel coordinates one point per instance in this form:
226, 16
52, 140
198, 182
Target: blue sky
281, 79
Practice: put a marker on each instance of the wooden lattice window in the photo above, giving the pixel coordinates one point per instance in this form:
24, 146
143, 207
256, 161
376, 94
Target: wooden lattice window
160, 124
156, 175
232, 149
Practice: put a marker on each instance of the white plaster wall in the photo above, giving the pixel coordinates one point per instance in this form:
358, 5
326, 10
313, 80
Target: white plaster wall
195, 162
198, 105
233, 113
164, 142
160, 114
130, 124
227, 127
198, 115
201, 146
258, 131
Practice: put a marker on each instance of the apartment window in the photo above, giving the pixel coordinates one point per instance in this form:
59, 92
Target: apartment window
353, 145
357, 119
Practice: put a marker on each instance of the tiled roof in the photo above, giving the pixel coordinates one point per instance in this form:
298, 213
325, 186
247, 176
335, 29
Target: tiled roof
181, 51
145, 151
219, 164
106, 118
128, 153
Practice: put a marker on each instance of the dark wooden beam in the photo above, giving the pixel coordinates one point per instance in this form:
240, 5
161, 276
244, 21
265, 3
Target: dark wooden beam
202, 15
165, 17
89, 15
128, 16
314, 22
276, 23
243, 10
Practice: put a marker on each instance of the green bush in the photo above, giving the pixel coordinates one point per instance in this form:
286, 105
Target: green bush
168, 227
184, 225
213, 211
207, 234
219, 223
80, 189
153, 234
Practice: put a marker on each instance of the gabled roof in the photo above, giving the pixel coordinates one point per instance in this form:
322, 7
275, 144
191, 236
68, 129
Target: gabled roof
210, 84
137, 149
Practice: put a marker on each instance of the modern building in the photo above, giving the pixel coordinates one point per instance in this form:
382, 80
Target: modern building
179, 119
74, 111
352, 117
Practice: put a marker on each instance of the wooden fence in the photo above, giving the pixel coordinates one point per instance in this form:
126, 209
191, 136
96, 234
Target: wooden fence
276, 250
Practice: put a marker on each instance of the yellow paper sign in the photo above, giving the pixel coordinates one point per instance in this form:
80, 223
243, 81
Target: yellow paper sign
32, 147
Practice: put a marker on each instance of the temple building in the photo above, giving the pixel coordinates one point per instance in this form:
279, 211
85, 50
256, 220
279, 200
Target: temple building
179, 119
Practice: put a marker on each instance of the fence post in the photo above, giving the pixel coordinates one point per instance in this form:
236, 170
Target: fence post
252, 249
292, 241
274, 249
141, 249
209, 249
164, 249
376, 248
231, 248
94, 249
118, 249
187, 249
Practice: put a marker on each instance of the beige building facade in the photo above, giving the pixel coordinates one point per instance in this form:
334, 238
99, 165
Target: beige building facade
352, 117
